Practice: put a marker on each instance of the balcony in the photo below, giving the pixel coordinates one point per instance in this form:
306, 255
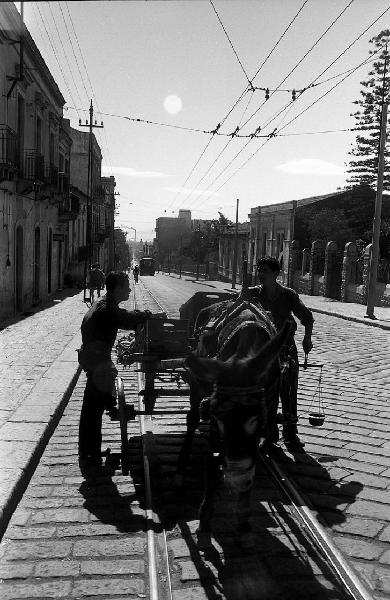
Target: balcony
34, 167
9, 159
101, 234
68, 209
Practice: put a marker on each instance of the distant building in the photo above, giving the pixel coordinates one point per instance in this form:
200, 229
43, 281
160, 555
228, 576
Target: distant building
275, 226
172, 233
227, 240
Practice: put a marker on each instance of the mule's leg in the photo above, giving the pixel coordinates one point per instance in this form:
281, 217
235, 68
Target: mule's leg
192, 420
245, 536
207, 507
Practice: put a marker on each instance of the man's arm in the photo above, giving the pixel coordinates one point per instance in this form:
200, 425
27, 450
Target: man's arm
131, 319
305, 316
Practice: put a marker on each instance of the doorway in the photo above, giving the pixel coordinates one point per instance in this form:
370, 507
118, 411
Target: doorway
49, 260
37, 263
19, 268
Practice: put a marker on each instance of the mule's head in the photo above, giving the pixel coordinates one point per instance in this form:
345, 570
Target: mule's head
237, 405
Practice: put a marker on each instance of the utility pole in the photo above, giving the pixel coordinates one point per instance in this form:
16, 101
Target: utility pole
376, 228
198, 253
89, 254
235, 251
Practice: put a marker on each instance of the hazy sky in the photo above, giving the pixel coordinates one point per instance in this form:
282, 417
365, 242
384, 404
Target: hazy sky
172, 63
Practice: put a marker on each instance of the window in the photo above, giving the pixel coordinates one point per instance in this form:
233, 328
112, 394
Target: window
20, 128
279, 241
51, 148
264, 244
38, 136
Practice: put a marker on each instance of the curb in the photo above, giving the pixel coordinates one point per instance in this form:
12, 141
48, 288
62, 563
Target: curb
351, 318
22, 482
361, 320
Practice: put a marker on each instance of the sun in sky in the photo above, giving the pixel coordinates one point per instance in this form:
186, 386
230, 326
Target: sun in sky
173, 104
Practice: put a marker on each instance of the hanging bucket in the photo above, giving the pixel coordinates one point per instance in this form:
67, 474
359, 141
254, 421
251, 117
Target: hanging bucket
316, 419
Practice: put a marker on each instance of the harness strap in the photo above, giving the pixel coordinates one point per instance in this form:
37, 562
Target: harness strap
238, 391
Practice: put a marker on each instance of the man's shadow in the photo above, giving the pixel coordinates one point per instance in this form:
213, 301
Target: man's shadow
117, 499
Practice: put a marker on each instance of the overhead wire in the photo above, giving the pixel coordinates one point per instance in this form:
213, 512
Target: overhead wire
218, 132
73, 50
55, 54
105, 144
304, 56
281, 83
242, 94
230, 42
275, 132
75, 85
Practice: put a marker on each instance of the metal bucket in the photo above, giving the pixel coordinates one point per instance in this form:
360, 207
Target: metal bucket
316, 419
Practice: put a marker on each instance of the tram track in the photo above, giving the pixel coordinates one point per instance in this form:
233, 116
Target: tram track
347, 585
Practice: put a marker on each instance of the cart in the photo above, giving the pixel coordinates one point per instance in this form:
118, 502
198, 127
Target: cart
159, 350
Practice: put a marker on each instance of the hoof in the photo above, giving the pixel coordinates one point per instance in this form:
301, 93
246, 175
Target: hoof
294, 444
203, 539
246, 540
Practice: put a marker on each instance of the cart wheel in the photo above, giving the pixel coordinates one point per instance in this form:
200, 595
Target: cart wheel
120, 394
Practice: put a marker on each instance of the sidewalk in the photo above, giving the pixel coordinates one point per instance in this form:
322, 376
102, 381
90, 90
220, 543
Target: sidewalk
38, 370
344, 310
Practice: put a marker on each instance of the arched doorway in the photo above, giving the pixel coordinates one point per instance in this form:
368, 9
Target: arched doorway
19, 268
37, 262
49, 259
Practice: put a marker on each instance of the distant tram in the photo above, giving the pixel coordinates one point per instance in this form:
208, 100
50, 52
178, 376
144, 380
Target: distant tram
146, 266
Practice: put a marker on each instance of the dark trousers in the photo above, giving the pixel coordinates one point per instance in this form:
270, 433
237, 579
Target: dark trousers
289, 388
98, 397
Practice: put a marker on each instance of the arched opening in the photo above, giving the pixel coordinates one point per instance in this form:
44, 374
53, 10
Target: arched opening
37, 263
49, 259
19, 268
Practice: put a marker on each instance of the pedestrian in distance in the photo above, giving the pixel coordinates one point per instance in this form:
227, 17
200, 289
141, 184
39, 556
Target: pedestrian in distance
102, 278
96, 281
99, 330
283, 302
136, 273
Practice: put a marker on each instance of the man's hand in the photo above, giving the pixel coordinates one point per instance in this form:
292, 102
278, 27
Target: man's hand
147, 314
161, 315
307, 344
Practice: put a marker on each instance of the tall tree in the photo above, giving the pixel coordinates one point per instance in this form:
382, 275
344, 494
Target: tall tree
363, 166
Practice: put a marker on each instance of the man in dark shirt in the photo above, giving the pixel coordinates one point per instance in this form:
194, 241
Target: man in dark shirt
283, 302
99, 330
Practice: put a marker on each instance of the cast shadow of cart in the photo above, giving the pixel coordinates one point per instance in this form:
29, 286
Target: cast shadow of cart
275, 568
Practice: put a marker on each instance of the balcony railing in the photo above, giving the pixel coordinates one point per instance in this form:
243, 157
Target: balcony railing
100, 235
8, 147
34, 166
69, 209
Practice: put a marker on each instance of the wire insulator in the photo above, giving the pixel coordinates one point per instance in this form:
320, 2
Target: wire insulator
267, 94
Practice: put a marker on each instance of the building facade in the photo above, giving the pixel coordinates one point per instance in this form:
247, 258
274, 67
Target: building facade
34, 171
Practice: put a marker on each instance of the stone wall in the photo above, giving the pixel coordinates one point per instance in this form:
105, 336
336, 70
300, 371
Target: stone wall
326, 272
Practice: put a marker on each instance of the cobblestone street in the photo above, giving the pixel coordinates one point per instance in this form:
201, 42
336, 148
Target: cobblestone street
70, 539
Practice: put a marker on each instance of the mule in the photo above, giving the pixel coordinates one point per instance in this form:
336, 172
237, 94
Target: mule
236, 362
